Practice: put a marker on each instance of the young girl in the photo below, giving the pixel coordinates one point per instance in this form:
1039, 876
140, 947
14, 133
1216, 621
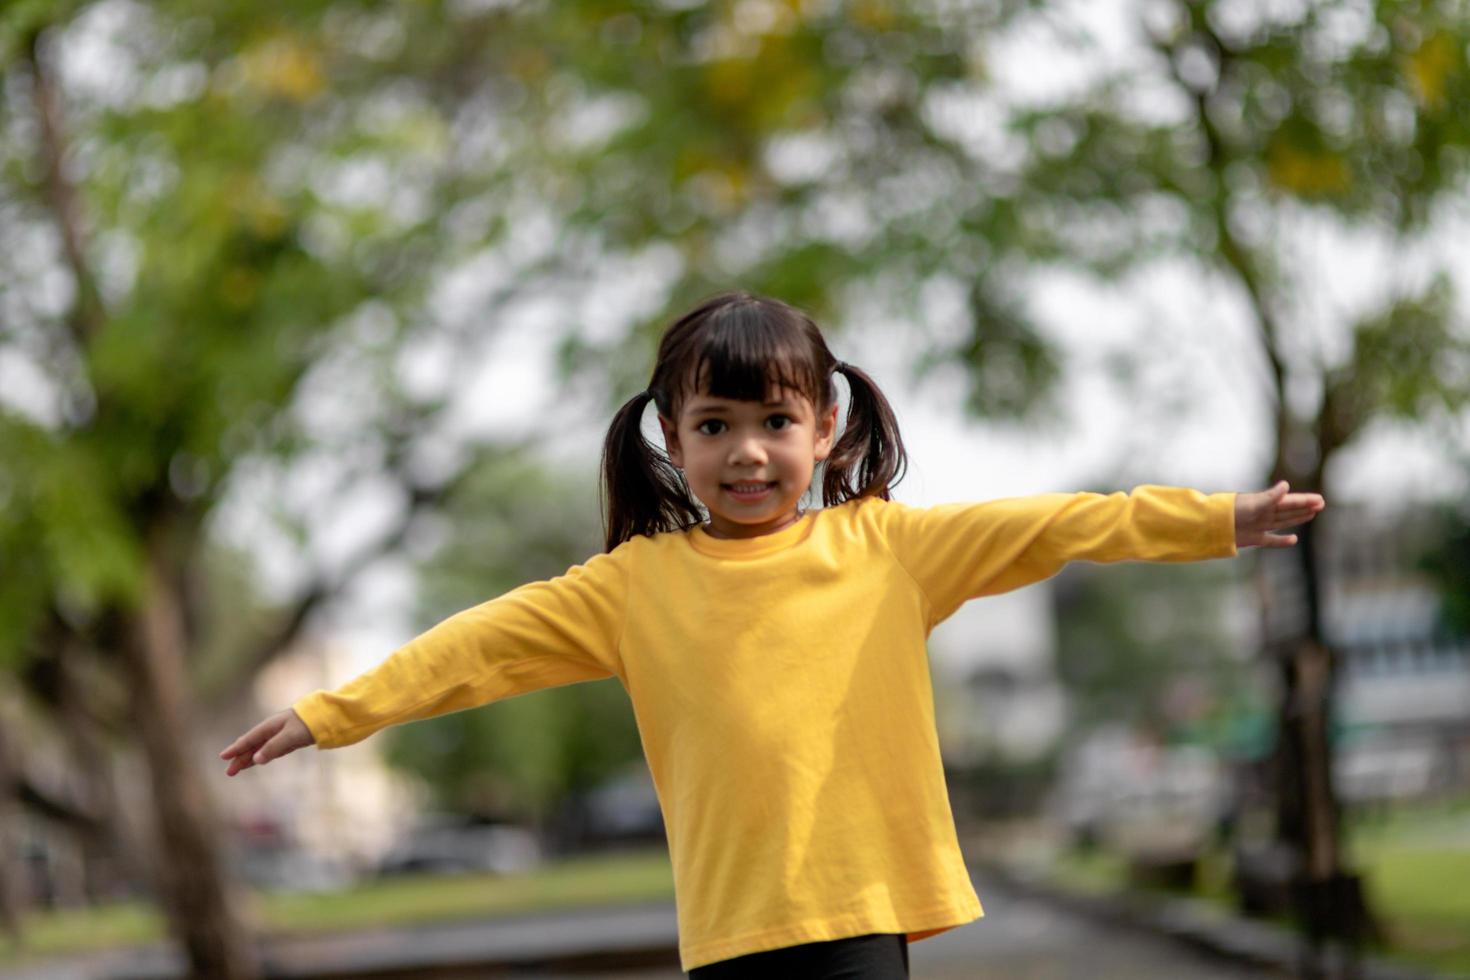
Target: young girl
774, 655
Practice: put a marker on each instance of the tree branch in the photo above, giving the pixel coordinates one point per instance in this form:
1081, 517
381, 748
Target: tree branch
18, 785
87, 314
251, 659
49, 807
52, 682
1236, 255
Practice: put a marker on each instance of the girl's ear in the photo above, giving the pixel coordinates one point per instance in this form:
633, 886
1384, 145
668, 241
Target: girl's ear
671, 441
826, 432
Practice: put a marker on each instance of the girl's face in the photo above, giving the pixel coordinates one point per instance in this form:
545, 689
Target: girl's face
749, 462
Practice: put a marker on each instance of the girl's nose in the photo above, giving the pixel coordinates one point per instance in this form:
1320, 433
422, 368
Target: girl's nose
748, 451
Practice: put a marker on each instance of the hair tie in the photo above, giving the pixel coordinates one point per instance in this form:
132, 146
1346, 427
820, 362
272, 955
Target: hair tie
840, 366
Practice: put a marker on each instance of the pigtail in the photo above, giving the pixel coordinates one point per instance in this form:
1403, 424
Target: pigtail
869, 457
641, 491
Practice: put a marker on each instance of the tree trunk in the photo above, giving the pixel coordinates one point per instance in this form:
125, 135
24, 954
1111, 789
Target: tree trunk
12, 865
109, 858
1328, 899
202, 908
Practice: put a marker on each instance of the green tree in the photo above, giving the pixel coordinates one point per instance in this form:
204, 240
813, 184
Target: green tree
202, 266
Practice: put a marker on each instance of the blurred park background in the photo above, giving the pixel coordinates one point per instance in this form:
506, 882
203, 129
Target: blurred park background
312, 317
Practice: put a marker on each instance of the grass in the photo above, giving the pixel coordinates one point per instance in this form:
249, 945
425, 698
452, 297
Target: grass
1423, 902
1100, 872
1417, 867
1094, 872
82, 930
1415, 861
612, 878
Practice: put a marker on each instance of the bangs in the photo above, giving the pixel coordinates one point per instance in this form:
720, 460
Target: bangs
747, 353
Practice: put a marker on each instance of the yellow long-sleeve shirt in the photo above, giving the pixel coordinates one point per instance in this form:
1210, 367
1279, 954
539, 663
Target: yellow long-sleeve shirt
782, 692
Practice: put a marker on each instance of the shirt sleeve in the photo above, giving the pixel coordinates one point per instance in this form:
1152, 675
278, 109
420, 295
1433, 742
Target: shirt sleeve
543, 634
962, 551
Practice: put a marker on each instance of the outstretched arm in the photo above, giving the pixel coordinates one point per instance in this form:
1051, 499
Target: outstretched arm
1257, 515
963, 551
542, 634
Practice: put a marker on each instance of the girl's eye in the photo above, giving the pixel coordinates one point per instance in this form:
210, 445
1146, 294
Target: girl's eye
702, 427
785, 421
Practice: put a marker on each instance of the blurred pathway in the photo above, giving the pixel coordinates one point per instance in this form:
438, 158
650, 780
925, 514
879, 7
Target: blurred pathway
1023, 938
1020, 938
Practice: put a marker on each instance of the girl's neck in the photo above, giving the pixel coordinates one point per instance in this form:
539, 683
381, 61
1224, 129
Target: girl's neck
731, 530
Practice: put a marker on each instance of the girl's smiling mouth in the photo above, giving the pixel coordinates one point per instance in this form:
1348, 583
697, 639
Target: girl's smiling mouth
748, 490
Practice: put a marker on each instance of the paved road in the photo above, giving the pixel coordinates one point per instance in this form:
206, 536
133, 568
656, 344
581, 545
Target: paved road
1020, 938
1025, 939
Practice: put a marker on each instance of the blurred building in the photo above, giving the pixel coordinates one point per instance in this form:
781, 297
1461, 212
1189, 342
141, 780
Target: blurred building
311, 820
1139, 797
1403, 708
314, 818
1401, 726
996, 694
1143, 771
43, 863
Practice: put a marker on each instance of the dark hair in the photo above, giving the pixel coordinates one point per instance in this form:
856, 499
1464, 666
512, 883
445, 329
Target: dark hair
739, 345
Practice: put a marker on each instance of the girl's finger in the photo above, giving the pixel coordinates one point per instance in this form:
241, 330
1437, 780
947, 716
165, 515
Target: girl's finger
247, 743
274, 749
1291, 517
234, 747
1304, 500
240, 753
1270, 541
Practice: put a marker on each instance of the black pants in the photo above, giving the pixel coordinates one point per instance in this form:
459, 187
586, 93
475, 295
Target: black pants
880, 956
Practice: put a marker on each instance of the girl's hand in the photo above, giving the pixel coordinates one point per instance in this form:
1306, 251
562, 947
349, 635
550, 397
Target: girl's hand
282, 733
1258, 514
